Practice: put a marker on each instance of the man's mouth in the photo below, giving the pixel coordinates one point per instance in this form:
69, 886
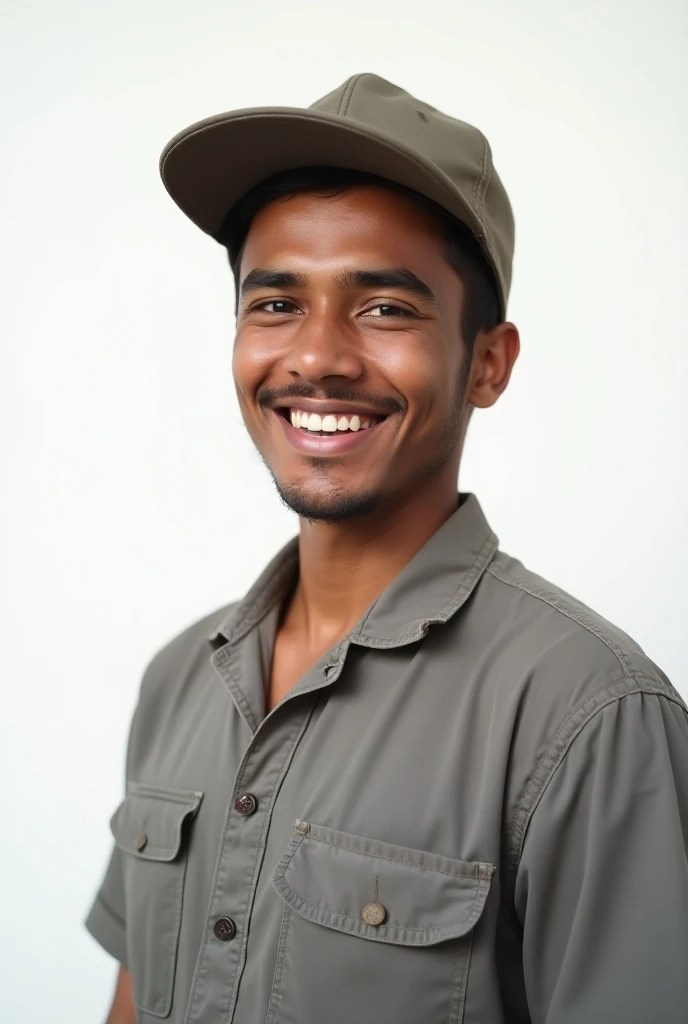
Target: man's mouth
333, 430
329, 422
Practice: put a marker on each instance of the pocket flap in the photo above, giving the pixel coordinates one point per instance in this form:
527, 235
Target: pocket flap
328, 877
148, 822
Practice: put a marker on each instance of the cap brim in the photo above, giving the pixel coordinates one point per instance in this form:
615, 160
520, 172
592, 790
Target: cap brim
209, 166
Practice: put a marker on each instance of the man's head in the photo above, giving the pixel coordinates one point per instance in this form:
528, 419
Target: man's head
360, 301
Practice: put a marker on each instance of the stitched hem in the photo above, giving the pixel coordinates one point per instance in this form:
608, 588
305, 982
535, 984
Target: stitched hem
108, 929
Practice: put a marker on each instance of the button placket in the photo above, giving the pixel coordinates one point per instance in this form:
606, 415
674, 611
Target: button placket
220, 967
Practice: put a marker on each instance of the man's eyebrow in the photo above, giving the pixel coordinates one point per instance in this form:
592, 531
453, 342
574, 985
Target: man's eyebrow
400, 278
261, 278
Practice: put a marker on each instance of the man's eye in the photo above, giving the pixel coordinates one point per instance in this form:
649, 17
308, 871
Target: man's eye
277, 306
386, 309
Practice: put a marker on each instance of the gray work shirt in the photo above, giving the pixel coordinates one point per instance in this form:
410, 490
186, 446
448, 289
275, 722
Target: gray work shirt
472, 809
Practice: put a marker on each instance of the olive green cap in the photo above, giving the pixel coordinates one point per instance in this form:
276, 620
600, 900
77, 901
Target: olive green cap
367, 124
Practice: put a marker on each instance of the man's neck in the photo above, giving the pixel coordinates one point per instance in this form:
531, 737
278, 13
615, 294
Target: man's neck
343, 567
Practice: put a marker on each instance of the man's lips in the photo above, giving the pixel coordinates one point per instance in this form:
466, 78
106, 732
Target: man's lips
325, 444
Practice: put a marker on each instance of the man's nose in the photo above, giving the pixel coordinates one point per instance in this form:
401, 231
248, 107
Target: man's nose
323, 347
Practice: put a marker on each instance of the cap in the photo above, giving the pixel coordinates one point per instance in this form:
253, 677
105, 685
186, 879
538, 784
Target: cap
367, 124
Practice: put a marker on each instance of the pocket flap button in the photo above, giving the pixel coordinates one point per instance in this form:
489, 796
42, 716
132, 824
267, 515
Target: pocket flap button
141, 842
373, 914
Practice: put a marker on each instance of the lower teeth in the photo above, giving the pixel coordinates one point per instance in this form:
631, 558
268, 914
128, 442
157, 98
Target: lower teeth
324, 433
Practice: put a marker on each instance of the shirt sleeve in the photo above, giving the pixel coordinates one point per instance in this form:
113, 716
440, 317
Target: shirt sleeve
106, 918
602, 883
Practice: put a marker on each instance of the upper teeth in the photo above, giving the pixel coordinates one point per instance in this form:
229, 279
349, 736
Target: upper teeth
330, 423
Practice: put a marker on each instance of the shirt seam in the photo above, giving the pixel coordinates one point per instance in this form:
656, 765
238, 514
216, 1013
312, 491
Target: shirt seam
551, 600
558, 748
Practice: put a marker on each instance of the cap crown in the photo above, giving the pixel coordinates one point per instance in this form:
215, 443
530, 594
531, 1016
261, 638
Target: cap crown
459, 152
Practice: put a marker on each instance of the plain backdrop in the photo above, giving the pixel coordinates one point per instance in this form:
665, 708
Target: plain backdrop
132, 500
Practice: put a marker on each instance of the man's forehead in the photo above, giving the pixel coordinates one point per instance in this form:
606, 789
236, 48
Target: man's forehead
354, 209
315, 235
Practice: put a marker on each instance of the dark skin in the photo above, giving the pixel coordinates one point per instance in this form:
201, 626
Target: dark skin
333, 329
122, 1010
395, 346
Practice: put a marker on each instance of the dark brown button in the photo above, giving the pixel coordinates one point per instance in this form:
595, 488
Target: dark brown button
246, 804
224, 929
141, 842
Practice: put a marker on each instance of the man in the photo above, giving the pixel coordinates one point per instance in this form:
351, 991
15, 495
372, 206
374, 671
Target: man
404, 779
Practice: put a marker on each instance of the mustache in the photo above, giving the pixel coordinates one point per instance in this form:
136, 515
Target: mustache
269, 398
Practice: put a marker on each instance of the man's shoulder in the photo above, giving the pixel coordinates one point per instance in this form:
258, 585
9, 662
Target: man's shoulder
562, 665
563, 643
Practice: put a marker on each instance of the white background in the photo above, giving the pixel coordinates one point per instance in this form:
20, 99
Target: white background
133, 502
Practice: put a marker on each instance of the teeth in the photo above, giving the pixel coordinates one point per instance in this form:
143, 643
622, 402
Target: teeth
329, 423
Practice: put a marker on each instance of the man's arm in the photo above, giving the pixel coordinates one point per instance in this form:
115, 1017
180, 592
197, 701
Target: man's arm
122, 1010
602, 884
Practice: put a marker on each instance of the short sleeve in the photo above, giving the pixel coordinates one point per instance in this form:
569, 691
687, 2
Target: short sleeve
106, 918
602, 882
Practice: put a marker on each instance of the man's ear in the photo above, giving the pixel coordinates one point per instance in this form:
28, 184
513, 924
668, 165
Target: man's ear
494, 354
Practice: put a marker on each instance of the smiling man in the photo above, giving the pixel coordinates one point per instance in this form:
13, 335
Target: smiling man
404, 780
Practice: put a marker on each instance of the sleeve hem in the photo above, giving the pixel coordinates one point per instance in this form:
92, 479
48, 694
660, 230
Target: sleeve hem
108, 931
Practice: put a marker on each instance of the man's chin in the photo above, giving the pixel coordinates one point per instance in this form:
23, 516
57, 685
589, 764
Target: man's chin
334, 507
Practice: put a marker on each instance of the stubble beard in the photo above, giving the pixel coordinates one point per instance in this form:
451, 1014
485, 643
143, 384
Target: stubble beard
341, 506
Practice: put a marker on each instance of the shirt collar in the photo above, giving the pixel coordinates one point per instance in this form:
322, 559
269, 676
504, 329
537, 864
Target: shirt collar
429, 589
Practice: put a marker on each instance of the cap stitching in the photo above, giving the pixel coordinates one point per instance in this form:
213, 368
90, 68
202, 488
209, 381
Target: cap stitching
478, 195
485, 177
348, 93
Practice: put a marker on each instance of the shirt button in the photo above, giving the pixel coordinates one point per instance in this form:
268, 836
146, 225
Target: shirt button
373, 914
246, 804
224, 929
141, 842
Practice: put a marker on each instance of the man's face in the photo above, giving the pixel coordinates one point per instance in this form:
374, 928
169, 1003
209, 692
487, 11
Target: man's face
348, 358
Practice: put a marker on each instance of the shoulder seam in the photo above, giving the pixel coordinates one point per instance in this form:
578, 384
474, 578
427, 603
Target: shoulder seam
572, 725
551, 600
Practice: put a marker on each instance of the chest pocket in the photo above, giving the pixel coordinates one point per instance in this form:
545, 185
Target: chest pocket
151, 827
373, 932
